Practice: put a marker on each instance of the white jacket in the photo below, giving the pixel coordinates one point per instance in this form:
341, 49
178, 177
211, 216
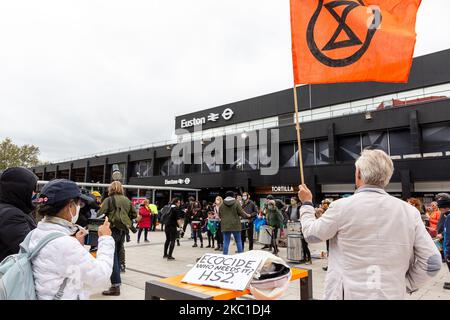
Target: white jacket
379, 247
64, 258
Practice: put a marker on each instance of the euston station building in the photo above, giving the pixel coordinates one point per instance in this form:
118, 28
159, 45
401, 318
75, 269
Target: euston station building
409, 121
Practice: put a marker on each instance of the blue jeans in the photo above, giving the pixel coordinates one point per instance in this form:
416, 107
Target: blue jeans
226, 240
119, 238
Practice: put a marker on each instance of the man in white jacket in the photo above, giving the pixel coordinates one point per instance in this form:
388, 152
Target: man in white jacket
379, 247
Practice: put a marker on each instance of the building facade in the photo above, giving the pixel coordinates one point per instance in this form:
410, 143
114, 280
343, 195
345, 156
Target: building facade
411, 122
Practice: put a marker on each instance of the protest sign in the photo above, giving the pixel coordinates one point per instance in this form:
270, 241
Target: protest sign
227, 272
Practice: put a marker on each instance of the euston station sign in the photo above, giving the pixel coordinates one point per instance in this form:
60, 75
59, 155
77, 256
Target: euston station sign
226, 115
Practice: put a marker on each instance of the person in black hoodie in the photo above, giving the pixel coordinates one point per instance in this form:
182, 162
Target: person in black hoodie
17, 186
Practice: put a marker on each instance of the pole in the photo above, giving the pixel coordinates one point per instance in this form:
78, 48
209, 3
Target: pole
299, 142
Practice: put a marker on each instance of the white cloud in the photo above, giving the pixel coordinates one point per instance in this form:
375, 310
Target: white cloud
79, 77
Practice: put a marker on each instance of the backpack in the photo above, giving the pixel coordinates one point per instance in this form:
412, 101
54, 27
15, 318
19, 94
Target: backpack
118, 217
16, 274
165, 214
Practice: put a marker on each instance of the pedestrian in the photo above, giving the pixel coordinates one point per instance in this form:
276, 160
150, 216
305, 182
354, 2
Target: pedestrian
416, 203
17, 187
322, 209
121, 213
174, 223
229, 213
444, 206
154, 210
250, 208
293, 211
443, 202
434, 217
219, 237
275, 222
197, 221
187, 216
64, 269
374, 254
211, 227
145, 221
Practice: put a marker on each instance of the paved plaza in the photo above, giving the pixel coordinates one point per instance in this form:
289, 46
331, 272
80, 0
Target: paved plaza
145, 262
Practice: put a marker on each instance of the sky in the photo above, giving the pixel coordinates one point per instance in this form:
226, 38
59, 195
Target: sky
85, 76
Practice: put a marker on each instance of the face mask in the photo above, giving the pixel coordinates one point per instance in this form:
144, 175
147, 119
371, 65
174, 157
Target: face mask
75, 217
271, 207
244, 198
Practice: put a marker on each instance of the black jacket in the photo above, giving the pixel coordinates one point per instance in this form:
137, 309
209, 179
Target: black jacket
250, 208
174, 216
16, 189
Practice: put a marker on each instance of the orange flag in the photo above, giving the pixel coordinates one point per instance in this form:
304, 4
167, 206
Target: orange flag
352, 40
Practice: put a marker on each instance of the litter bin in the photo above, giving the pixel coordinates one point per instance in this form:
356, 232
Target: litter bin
294, 247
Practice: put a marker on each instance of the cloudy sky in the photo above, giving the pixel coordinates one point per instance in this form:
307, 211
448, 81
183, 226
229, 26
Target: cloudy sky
79, 77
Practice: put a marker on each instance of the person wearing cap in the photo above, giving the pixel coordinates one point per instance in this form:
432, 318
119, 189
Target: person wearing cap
64, 267
17, 186
379, 246
229, 213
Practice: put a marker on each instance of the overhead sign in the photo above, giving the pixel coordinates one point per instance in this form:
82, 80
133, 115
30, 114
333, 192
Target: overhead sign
177, 181
226, 115
226, 272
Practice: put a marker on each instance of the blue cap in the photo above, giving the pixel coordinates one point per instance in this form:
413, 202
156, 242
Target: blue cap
58, 191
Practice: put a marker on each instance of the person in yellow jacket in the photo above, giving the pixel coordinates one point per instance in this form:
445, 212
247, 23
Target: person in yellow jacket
154, 210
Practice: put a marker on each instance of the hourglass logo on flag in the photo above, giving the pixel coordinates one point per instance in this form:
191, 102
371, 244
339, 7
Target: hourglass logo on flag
352, 40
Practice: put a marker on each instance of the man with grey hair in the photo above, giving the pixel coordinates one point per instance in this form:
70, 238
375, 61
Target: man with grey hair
379, 247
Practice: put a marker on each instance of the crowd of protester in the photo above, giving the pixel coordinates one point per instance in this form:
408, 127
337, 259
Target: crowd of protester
367, 229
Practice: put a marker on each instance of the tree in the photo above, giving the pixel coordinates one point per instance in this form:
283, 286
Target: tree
12, 155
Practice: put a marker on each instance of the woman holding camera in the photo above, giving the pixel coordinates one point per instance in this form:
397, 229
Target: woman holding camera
64, 269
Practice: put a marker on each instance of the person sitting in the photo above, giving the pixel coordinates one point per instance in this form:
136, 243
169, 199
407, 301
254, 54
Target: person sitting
379, 246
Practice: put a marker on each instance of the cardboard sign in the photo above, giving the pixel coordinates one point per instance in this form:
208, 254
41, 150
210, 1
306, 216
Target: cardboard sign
226, 272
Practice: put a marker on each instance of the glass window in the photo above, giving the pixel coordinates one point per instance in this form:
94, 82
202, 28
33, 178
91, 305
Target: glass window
307, 153
251, 158
322, 152
378, 140
288, 155
436, 139
349, 148
400, 142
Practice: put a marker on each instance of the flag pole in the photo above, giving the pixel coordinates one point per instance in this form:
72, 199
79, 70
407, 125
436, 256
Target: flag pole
299, 142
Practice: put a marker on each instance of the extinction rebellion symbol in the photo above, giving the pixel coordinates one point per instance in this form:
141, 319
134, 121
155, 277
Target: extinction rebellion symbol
352, 39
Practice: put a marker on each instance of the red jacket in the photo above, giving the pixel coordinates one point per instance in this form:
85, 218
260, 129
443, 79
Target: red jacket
146, 220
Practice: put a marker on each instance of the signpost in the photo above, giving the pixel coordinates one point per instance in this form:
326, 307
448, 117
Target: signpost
227, 272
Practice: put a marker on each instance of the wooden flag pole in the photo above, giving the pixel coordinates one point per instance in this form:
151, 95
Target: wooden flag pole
299, 142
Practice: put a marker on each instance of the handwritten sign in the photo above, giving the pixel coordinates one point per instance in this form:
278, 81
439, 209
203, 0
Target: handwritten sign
227, 272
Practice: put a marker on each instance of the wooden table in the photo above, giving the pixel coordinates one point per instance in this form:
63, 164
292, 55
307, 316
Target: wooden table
173, 289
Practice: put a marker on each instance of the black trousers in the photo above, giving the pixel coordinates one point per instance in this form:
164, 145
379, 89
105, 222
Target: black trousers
306, 252
146, 230
219, 238
171, 237
274, 243
210, 238
248, 232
